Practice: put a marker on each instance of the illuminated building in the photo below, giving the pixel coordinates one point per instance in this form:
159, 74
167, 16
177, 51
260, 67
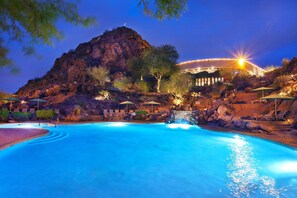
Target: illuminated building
206, 72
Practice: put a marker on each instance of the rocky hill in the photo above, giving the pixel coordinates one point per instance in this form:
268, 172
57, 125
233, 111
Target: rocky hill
289, 69
69, 72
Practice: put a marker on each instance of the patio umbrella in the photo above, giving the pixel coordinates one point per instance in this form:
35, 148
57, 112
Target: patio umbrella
277, 97
262, 89
38, 100
127, 103
11, 100
152, 103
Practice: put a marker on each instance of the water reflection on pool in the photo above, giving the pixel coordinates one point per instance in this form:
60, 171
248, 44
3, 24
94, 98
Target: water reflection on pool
146, 160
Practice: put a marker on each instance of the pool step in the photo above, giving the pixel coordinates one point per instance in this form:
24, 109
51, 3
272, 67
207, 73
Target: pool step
51, 137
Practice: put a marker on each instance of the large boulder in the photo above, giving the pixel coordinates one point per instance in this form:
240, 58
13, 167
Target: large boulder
252, 126
225, 112
239, 123
265, 127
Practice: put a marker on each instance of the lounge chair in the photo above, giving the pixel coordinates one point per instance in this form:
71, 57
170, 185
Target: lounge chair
16, 110
32, 110
105, 114
24, 110
281, 115
57, 111
111, 114
269, 116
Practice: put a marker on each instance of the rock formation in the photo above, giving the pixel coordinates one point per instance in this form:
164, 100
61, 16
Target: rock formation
290, 69
69, 72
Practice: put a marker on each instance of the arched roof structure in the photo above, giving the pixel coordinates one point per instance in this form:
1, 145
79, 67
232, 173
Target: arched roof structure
213, 64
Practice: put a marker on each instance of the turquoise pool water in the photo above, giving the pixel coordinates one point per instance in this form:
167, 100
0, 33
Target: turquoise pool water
146, 160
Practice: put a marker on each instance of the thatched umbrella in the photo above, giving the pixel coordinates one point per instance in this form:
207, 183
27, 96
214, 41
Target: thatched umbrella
277, 97
152, 103
38, 100
11, 100
127, 103
262, 89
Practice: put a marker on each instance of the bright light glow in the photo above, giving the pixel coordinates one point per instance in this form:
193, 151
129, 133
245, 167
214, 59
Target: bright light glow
117, 124
177, 101
182, 126
284, 167
241, 62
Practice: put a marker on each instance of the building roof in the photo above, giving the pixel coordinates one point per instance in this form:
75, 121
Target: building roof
213, 64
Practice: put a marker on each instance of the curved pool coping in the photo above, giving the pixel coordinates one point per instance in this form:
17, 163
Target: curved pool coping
12, 136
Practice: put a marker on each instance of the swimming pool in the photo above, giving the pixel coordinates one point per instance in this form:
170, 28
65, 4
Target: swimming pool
146, 160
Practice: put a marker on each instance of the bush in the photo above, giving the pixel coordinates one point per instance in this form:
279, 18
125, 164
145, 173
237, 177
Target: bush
53, 91
142, 86
4, 115
140, 114
45, 114
282, 81
22, 116
99, 74
103, 95
123, 84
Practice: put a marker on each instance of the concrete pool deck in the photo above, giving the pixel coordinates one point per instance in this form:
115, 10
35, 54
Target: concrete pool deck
11, 136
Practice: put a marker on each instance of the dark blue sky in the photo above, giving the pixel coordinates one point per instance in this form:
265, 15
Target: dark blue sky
266, 29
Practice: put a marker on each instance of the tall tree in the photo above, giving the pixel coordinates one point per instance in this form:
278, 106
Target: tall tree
163, 8
34, 21
161, 61
137, 67
178, 84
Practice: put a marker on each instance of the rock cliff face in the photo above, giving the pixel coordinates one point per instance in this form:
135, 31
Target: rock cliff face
291, 68
69, 72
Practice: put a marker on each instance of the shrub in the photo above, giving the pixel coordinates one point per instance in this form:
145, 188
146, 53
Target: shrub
99, 74
282, 81
140, 114
22, 116
4, 115
142, 86
55, 90
123, 84
103, 95
178, 84
45, 114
